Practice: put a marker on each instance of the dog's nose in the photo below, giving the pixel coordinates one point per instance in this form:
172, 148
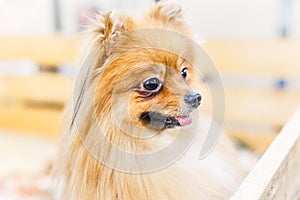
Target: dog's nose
193, 99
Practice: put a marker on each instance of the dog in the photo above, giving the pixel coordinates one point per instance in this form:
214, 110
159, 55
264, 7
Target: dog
133, 99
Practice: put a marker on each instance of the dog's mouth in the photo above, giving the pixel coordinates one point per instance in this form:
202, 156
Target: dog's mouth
158, 121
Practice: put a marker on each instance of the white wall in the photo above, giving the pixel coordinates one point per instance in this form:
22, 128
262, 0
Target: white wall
71, 8
231, 19
26, 17
295, 23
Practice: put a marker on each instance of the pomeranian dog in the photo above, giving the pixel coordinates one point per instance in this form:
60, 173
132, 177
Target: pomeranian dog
130, 130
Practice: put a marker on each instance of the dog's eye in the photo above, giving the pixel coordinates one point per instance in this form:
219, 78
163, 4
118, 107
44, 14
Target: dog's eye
183, 72
152, 84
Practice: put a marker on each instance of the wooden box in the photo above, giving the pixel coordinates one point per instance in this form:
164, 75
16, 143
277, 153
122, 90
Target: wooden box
277, 174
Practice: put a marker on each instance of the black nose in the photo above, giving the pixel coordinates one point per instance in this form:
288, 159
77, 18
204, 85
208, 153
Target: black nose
193, 99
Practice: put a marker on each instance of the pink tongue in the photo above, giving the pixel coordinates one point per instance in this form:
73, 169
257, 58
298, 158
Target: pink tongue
184, 120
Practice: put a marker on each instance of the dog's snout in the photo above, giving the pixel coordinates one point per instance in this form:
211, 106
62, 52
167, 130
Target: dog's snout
193, 99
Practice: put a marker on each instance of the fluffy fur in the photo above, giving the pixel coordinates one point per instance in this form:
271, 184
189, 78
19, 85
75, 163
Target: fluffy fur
103, 95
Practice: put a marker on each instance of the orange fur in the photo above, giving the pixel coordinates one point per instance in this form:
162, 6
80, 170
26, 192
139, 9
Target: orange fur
104, 86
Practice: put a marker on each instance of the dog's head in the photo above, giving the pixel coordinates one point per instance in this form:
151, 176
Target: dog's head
145, 71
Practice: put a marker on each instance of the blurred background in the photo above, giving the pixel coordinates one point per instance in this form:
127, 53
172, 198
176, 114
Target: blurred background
255, 44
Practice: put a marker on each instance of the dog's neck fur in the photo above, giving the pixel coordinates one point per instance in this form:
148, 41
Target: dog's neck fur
88, 178
85, 177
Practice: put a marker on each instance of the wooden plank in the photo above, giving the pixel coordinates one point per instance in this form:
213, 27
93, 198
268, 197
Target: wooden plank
276, 176
34, 103
46, 51
278, 58
253, 105
257, 142
42, 87
257, 137
40, 121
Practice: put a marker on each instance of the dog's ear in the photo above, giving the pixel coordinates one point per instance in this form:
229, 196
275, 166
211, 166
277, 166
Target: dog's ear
167, 11
106, 27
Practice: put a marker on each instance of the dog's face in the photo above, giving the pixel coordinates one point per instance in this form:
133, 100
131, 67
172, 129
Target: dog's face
162, 97
150, 86
154, 88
